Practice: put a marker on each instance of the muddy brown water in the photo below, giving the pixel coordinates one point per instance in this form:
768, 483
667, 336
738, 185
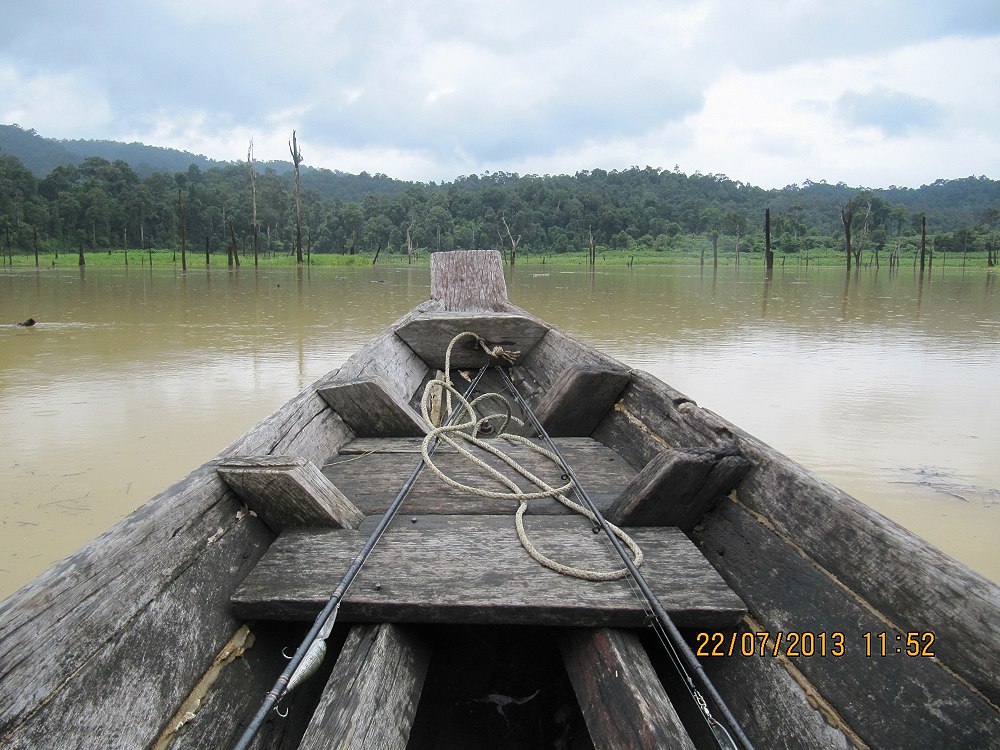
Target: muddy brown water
882, 385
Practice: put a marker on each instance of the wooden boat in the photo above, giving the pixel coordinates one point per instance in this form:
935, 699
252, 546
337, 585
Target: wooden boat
819, 623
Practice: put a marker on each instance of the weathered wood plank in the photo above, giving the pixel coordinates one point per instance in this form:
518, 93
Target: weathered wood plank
651, 416
232, 689
586, 448
786, 592
602, 472
773, 707
677, 487
469, 280
388, 359
472, 569
913, 585
372, 695
85, 648
619, 693
372, 410
537, 370
288, 491
145, 599
429, 335
579, 398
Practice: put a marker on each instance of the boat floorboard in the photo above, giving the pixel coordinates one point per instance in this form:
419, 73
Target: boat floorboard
473, 570
371, 471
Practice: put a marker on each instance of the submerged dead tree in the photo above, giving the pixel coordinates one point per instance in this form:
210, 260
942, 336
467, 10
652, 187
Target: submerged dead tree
252, 164
183, 227
293, 147
510, 237
768, 253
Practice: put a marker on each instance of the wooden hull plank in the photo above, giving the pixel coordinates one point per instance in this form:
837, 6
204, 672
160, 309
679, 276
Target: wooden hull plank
288, 491
428, 335
913, 585
678, 487
912, 702
579, 398
372, 410
371, 697
620, 695
472, 569
602, 472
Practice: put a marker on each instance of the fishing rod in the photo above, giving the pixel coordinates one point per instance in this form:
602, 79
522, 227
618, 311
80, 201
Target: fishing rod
678, 646
311, 651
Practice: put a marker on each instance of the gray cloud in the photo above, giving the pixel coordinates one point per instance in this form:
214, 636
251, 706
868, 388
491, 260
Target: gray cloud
445, 85
895, 113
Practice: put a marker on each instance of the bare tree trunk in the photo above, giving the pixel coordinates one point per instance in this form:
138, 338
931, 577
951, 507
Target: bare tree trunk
592, 253
846, 217
293, 146
234, 255
409, 243
83, 261
253, 199
513, 242
183, 223
768, 255
35, 232
715, 249
923, 242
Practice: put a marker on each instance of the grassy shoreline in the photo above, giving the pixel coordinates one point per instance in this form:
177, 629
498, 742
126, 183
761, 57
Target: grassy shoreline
171, 259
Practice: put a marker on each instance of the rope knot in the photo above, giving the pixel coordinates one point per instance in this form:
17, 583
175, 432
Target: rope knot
498, 352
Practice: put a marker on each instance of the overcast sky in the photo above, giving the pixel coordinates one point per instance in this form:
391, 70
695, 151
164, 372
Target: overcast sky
770, 92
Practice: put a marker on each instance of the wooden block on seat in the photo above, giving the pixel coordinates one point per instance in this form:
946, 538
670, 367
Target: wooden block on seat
622, 699
286, 491
579, 398
371, 697
677, 487
370, 409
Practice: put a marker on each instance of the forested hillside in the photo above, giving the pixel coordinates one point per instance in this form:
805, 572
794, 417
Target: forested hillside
98, 202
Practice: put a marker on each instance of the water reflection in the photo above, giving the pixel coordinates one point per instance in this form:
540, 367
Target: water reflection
134, 377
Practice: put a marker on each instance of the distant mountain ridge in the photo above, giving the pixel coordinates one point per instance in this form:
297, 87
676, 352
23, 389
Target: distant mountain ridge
41, 155
678, 198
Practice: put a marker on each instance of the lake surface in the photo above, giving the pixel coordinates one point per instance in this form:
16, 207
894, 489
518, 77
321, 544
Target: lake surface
881, 384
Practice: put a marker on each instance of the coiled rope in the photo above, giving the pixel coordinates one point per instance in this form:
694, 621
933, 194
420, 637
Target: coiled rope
459, 432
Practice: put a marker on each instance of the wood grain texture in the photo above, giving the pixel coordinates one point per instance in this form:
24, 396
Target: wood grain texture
370, 409
472, 569
288, 491
912, 584
429, 335
578, 399
371, 697
468, 280
784, 592
388, 359
539, 369
601, 471
678, 487
621, 697
109, 641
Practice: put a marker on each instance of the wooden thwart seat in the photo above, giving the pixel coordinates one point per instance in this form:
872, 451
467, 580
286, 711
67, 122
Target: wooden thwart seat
603, 472
473, 570
289, 491
429, 334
